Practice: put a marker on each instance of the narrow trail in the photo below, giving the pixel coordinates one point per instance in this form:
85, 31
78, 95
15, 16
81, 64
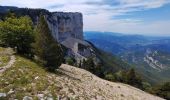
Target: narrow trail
10, 63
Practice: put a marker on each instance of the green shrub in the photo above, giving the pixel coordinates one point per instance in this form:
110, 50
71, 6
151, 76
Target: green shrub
162, 90
17, 33
70, 61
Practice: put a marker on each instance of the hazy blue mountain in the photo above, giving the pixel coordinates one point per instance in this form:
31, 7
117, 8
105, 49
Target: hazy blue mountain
150, 55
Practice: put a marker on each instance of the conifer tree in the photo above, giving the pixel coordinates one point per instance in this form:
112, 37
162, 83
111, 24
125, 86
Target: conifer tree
90, 66
134, 79
80, 64
47, 49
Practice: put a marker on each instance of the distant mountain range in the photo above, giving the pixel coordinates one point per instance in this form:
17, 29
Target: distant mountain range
149, 55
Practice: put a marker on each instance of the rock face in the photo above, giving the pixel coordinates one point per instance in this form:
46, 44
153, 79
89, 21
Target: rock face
65, 25
155, 60
67, 28
78, 49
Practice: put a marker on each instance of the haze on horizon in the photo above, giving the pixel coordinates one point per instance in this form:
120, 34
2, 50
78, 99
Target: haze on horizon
146, 17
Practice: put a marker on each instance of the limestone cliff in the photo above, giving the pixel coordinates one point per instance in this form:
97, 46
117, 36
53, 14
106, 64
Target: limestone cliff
67, 28
64, 25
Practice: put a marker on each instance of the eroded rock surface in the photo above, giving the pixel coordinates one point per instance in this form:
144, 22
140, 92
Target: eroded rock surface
64, 25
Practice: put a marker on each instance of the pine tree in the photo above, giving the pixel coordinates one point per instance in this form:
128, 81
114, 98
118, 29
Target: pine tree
98, 70
133, 79
80, 64
90, 66
83, 64
70, 61
48, 51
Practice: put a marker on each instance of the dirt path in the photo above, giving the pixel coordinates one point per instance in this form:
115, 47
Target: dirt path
10, 63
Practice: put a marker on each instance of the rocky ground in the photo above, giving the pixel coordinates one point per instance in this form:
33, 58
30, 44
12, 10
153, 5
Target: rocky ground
78, 82
26, 80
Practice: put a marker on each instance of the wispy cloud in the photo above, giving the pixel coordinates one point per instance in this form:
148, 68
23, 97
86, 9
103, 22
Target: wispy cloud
100, 15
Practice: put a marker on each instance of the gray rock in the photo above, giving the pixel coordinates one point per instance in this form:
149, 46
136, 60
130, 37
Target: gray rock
50, 98
64, 25
40, 96
3, 95
27, 98
10, 92
36, 77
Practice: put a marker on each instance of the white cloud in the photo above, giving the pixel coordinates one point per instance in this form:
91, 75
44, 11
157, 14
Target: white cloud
130, 26
99, 14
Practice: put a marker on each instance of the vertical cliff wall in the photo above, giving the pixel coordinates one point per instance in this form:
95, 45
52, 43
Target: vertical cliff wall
64, 25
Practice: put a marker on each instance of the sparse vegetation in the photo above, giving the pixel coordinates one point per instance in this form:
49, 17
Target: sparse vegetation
29, 80
129, 77
162, 90
4, 60
5, 54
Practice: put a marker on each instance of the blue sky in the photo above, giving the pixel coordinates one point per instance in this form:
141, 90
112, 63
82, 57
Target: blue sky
148, 17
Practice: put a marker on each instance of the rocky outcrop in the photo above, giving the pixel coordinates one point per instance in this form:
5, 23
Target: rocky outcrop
155, 60
78, 49
65, 25
67, 28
